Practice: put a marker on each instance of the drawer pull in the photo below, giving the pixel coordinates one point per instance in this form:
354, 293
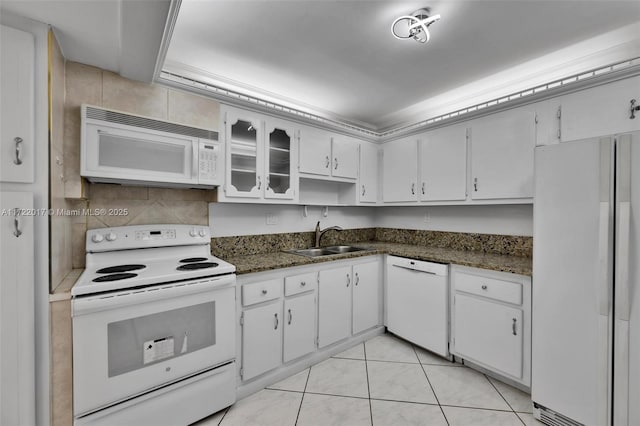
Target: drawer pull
276, 326
303, 283
484, 286
264, 292
290, 317
513, 327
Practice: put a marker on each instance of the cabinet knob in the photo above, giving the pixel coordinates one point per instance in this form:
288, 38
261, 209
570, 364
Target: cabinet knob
423, 187
363, 190
18, 159
357, 279
290, 316
328, 161
413, 189
264, 292
513, 327
348, 280
303, 283
336, 163
259, 183
484, 286
276, 326
633, 108
475, 184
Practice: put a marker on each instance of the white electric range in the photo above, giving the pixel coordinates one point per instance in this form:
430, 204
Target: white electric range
153, 327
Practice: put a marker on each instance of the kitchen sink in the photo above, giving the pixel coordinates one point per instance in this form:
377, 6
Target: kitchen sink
326, 251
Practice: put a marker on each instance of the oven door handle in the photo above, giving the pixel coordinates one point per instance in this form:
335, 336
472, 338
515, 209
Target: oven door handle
137, 296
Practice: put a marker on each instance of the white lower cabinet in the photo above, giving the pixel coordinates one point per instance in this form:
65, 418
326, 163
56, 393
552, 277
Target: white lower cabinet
299, 326
491, 321
366, 296
288, 314
261, 339
334, 305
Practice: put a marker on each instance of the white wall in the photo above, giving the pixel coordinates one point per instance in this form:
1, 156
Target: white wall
251, 219
497, 219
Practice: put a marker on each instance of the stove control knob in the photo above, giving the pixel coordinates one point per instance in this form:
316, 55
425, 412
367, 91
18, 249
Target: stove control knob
193, 232
111, 236
97, 238
202, 233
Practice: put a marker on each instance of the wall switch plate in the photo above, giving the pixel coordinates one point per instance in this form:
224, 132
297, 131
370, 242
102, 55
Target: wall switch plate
271, 219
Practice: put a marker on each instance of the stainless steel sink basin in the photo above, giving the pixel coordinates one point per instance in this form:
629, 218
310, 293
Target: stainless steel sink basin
326, 251
312, 252
344, 249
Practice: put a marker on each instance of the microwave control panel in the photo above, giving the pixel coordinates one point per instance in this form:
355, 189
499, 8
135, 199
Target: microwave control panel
208, 157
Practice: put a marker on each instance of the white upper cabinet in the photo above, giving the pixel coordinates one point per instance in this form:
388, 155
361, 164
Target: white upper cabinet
244, 168
368, 175
502, 148
280, 152
400, 170
315, 151
443, 164
600, 111
17, 144
328, 156
345, 152
261, 155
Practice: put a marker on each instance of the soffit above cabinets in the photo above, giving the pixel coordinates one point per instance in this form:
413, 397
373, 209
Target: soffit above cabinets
338, 59
123, 36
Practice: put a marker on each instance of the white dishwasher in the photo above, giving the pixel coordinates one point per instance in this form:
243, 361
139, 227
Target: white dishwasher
418, 303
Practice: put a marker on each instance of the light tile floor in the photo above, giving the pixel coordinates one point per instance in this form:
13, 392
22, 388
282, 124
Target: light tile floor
385, 381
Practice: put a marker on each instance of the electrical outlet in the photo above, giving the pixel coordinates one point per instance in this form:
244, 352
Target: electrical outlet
271, 219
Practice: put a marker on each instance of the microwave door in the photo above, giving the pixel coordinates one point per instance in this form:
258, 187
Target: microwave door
118, 154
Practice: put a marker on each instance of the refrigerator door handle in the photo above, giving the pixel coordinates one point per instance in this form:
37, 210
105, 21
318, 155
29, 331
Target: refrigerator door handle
603, 257
622, 261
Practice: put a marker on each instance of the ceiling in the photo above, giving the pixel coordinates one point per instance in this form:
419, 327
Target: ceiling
337, 58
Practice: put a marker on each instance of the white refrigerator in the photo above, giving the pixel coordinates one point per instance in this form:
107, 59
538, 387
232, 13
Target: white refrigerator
586, 289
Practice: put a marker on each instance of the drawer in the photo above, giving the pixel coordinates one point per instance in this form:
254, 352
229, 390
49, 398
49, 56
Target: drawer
261, 292
300, 283
505, 291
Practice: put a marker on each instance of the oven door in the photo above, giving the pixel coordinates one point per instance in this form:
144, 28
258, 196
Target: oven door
129, 342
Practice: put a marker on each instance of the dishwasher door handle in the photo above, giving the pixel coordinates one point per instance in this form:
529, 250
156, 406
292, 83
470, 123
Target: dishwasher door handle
414, 270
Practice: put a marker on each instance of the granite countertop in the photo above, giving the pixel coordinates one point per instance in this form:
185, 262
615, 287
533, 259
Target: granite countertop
268, 261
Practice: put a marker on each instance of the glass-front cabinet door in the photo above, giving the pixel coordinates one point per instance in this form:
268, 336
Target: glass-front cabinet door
244, 155
279, 148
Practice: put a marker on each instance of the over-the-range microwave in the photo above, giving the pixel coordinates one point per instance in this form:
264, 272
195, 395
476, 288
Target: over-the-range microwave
118, 147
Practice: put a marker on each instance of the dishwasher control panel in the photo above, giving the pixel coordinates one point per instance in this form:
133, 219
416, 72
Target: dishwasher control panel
419, 265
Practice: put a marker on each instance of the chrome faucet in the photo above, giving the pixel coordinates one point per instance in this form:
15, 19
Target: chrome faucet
321, 232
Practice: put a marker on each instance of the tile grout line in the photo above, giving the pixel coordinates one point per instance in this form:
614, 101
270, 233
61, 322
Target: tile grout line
430, 385
223, 416
502, 396
303, 393
366, 369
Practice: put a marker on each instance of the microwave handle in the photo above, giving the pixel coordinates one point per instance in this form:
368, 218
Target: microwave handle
194, 163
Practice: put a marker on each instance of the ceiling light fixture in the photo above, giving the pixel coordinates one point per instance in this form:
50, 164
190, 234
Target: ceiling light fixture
414, 26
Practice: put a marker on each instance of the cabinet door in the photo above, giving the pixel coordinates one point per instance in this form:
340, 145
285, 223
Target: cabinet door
345, 157
366, 296
489, 333
443, 164
261, 339
400, 170
245, 149
334, 305
279, 160
17, 353
600, 111
368, 188
16, 106
315, 151
502, 147
299, 326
